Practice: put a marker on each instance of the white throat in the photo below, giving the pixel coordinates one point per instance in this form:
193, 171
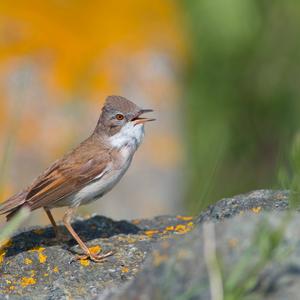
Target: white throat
130, 135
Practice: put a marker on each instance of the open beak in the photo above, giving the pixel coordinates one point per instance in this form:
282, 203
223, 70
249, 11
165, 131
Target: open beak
139, 120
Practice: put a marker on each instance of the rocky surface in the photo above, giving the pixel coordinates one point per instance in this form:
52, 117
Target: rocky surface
251, 264
33, 264
163, 258
249, 231
268, 200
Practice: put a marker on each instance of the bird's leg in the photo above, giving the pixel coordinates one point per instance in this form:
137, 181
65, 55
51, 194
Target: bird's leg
87, 253
55, 227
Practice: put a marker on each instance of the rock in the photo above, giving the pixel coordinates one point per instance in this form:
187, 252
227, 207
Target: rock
251, 263
257, 200
34, 265
161, 258
257, 246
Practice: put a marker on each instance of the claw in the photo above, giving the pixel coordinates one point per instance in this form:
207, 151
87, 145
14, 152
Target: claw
93, 257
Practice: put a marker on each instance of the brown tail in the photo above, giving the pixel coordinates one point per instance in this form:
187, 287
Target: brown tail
13, 204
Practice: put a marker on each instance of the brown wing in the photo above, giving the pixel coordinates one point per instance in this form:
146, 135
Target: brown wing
68, 175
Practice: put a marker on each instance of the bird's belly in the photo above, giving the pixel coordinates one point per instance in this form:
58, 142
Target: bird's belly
95, 189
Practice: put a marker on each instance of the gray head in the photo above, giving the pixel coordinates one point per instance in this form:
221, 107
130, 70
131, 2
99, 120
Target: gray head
117, 112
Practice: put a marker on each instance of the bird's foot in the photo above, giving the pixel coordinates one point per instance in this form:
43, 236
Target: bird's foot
93, 256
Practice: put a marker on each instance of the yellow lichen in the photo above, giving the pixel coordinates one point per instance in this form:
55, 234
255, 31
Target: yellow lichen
256, 210
3, 247
25, 281
150, 233
85, 262
95, 249
12, 287
55, 270
8, 281
184, 218
6, 244
125, 270
39, 231
2, 255
27, 261
131, 240
37, 249
182, 228
42, 258
191, 224
46, 275
170, 228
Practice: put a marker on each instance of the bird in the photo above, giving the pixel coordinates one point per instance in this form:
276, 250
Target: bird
87, 172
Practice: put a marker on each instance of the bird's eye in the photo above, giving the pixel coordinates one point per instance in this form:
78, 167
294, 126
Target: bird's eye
119, 117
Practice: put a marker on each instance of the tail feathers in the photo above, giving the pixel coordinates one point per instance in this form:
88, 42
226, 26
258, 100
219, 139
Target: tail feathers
11, 205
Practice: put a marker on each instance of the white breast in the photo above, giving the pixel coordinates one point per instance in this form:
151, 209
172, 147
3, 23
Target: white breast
130, 135
127, 140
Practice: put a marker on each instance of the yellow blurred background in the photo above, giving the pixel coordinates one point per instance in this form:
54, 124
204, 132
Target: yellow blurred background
222, 77
58, 62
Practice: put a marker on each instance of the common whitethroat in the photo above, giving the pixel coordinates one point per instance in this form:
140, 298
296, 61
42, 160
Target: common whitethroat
89, 171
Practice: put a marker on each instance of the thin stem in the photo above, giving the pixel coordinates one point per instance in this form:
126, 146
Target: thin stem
211, 262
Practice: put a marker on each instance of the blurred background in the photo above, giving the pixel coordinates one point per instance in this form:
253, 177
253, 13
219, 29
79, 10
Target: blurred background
222, 76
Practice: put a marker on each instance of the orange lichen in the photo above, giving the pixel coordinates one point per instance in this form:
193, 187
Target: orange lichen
27, 261
39, 231
85, 262
183, 228
159, 258
42, 258
2, 255
55, 270
136, 221
25, 281
125, 270
130, 240
180, 228
150, 233
184, 218
95, 249
170, 228
232, 243
3, 247
6, 244
37, 249
256, 210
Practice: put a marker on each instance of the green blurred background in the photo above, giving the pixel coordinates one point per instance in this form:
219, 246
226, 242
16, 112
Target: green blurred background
242, 95
222, 75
